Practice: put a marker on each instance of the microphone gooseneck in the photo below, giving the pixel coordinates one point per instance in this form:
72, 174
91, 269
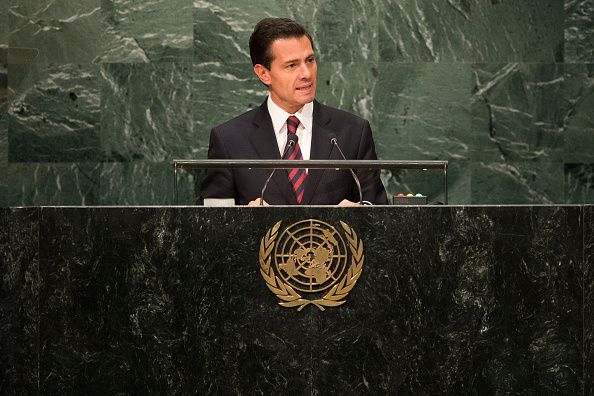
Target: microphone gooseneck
291, 141
334, 142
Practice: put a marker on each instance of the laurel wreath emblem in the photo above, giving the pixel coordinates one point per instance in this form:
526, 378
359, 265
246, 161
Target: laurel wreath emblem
292, 299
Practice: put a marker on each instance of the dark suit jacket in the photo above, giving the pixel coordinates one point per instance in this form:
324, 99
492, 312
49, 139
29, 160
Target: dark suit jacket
251, 136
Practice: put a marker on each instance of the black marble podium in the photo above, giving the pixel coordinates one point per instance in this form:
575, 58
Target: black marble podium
170, 300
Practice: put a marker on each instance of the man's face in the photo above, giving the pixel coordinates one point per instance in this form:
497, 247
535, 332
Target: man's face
293, 71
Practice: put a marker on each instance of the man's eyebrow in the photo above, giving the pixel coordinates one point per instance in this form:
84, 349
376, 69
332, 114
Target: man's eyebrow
312, 55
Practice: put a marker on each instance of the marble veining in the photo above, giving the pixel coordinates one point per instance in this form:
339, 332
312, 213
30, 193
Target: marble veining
57, 32
452, 300
155, 121
125, 183
501, 89
3, 31
579, 182
152, 31
3, 135
452, 31
588, 300
578, 118
523, 124
331, 23
19, 298
579, 31
58, 108
36, 184
512, 183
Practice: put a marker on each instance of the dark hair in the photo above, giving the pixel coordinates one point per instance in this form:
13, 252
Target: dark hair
268, 30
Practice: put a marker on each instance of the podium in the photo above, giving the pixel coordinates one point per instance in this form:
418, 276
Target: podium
275, 165
171, 300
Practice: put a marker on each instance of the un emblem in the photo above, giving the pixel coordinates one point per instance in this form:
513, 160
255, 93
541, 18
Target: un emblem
311, 257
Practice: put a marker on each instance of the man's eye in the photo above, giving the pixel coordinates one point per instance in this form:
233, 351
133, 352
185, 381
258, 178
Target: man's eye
311, 60
291, 65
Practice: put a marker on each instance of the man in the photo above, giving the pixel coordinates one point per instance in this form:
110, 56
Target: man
282, 54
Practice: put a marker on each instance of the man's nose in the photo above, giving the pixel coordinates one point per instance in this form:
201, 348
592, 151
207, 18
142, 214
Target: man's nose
305, 71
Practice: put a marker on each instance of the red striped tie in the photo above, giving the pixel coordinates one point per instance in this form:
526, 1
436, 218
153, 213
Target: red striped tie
296, 175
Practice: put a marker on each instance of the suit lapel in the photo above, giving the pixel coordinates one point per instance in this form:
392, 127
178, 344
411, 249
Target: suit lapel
261, 135
321, 149
263, 140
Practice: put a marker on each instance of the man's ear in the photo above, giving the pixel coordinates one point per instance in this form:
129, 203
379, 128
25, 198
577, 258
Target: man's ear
263, 73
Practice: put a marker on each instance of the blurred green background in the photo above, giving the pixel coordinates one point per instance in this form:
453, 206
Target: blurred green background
98, 96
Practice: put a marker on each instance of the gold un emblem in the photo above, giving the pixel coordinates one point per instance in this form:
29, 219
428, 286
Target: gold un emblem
310, 257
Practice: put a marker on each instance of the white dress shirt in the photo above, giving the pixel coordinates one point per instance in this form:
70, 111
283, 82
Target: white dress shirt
279, 123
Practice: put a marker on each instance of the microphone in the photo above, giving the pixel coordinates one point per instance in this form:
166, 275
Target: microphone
291, 141
334, 142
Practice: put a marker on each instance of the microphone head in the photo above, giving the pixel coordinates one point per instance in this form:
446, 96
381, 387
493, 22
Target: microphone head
333, 139
291, 139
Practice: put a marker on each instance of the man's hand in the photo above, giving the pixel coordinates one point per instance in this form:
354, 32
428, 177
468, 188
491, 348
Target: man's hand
346, 202
256, 202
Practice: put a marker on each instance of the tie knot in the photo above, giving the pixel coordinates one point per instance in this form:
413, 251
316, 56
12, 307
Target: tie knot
292, 124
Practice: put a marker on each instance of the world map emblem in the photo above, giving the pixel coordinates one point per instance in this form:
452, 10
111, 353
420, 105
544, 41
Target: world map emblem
311, 262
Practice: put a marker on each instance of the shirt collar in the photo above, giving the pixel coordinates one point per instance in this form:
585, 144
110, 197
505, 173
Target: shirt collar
279, 116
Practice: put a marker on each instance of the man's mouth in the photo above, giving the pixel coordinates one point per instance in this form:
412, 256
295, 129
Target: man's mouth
305, 87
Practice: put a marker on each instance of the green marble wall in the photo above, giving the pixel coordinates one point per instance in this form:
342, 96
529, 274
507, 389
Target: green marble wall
98, 96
